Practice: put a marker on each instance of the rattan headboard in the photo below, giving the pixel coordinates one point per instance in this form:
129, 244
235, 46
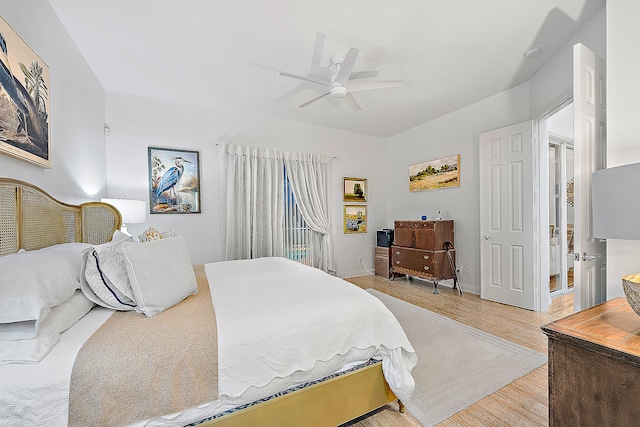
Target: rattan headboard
31, 219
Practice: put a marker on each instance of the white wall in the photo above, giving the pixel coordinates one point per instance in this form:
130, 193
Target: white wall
78, 171
561, 123
455, 133
555, 80
137, 123
623, 137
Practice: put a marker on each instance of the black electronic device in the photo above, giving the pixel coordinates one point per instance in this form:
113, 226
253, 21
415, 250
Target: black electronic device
385, 237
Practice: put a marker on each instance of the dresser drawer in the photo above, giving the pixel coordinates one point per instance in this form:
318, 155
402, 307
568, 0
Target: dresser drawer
430, 263
403, 233
382, 267
429, 235
383, 251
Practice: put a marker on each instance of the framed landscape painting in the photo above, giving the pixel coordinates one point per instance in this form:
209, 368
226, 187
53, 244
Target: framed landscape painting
174, 180
24, 101
354, 189
355, 219
435, 174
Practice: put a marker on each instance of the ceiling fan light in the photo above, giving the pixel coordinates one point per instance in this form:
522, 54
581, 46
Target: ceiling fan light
338, 91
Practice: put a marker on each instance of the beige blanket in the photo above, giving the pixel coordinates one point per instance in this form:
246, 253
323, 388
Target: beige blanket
134, 368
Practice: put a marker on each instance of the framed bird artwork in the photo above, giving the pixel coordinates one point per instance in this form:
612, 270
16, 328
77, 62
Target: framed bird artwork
174, 180
24, 101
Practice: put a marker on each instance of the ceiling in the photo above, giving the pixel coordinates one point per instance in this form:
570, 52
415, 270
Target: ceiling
228, 53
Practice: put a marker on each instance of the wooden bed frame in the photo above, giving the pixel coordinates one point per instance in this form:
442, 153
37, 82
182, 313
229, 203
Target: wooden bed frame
31, 219
329, 403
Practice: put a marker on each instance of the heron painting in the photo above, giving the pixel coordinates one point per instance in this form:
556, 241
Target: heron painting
174, 180
24, 100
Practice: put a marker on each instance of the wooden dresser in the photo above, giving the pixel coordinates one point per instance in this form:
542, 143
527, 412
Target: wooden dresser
421, 249
594, 367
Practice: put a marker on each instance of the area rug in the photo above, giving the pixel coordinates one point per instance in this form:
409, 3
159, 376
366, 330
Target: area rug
457, 364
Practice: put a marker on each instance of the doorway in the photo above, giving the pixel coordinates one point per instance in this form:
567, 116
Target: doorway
561, 205
561, 230
588, 131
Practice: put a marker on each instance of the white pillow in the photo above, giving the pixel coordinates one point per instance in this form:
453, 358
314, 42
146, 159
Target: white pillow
72, 248
30, 284
104, 277
62, 317
160, 273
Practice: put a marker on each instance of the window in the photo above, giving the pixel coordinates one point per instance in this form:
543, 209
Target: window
301, 243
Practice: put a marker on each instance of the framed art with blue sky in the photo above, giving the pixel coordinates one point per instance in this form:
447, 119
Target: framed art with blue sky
174, 180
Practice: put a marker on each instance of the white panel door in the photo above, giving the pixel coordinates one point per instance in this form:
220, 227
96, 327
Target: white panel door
506, 216
589, 122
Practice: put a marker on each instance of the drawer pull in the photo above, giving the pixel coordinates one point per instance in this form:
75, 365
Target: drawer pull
426, 257
397, 252
397, 262
426, 267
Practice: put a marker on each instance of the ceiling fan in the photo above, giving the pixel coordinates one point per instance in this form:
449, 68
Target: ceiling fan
343, 82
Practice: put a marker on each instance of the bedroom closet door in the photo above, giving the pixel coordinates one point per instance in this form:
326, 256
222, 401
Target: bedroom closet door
589, 89
506, 216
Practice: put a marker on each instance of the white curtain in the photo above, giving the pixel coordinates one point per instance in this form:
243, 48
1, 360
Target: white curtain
309, 177
254, 180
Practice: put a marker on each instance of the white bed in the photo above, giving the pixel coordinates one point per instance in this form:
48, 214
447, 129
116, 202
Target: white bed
280, 325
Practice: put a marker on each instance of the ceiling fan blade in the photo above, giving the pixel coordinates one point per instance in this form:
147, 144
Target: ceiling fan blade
347, 66
360, 85
313, 100
363, 74
309, 79
351, 102
317, 52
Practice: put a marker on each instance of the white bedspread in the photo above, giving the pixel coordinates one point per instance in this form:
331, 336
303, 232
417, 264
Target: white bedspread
277, 317
353, 326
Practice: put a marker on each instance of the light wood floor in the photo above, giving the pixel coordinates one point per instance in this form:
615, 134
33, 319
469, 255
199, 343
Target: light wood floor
521, 403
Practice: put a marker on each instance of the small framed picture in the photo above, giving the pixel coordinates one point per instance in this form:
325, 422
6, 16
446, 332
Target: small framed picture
354, 190
174, 180
355, 219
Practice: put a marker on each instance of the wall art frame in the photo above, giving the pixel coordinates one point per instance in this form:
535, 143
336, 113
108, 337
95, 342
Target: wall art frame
174, 180
435, 174
355, 219
354, 189
25, 132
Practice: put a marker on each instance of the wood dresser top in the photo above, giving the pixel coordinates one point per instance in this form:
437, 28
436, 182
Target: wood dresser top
611, 327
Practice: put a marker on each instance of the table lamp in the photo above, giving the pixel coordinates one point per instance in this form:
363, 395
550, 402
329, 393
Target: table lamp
616, 208
132, 211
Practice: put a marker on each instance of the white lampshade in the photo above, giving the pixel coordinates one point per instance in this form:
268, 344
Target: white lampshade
616, 202
132, 211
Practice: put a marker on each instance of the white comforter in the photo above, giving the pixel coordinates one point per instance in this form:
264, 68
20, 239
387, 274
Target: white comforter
278, 318
265, 310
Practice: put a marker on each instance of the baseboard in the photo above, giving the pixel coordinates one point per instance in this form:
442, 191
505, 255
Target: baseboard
356, 273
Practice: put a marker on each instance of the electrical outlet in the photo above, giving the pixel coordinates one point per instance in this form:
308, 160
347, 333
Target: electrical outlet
359, 259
